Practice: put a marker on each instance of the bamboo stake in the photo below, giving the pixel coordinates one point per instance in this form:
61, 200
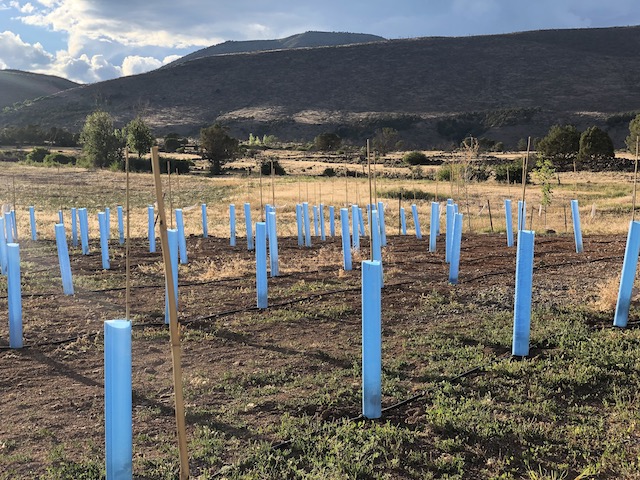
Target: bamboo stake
273, 184
370, 202
346, 186
635, 182
173, 321
170, 194
261, 201
375, 178
525, 168
15, 210
127, 267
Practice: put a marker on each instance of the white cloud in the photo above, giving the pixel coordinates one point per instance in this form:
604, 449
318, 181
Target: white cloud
21, 55
135, 64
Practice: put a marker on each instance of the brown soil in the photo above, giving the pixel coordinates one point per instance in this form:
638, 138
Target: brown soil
52, 390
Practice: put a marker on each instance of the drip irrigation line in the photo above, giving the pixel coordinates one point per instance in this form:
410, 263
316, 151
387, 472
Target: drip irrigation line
413, 398
539, 267
282, 304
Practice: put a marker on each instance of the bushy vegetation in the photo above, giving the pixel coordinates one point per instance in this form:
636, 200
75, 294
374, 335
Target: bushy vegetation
36, 135
266, 165
327, 142
57, 158
172, 142
405, 193
219, 147
473, 172
102, 144
415, 158
37, 154
512, 171
175, 164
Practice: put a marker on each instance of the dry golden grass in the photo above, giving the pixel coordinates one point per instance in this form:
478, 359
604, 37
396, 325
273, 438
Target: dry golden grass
607, 291
50, 189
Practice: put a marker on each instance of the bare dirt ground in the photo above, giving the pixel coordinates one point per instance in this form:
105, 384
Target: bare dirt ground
52, 390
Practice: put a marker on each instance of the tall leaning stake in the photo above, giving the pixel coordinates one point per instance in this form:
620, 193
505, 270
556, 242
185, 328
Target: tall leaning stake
173, 320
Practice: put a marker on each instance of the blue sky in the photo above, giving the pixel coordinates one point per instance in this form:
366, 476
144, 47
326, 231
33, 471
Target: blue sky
93, 40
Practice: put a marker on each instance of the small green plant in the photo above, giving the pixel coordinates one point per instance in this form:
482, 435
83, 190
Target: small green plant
545, 172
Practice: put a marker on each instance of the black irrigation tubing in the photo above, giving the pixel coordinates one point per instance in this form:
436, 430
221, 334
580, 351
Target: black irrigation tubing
478, 368
539, 267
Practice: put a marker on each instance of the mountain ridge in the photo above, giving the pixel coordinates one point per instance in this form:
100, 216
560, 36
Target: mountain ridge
432, 89
18, 86
309, 39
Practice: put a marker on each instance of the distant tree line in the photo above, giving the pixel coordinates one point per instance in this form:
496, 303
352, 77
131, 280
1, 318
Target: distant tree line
563, 148
35, 135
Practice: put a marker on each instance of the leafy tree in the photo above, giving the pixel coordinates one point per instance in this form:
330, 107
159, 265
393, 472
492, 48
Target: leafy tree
634, 133
61, 137
522, 145
562, 143
327, 142
544, 172
218, 146
254, 140
386, 140
101, 143
38, 154
139, 137
511, 171
595, 144
415, 158
269, 139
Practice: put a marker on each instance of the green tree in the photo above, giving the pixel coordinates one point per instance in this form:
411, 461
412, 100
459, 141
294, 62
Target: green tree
218, 146
415, 158
595, 144
327, 142
38, 154
561, 144
139, 137
172, 142
634, 133
386, 140
101, 143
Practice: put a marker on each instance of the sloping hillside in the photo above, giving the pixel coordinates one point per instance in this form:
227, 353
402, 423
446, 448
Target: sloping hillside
301, 40
17, 86
431, 89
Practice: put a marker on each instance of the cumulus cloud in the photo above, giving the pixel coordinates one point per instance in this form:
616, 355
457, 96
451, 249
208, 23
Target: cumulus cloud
135, 64
16, 53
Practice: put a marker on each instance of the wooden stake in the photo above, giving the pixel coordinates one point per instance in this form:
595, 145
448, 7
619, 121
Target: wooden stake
635, 183
399, 216
490, 217
173, 321
127, 267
